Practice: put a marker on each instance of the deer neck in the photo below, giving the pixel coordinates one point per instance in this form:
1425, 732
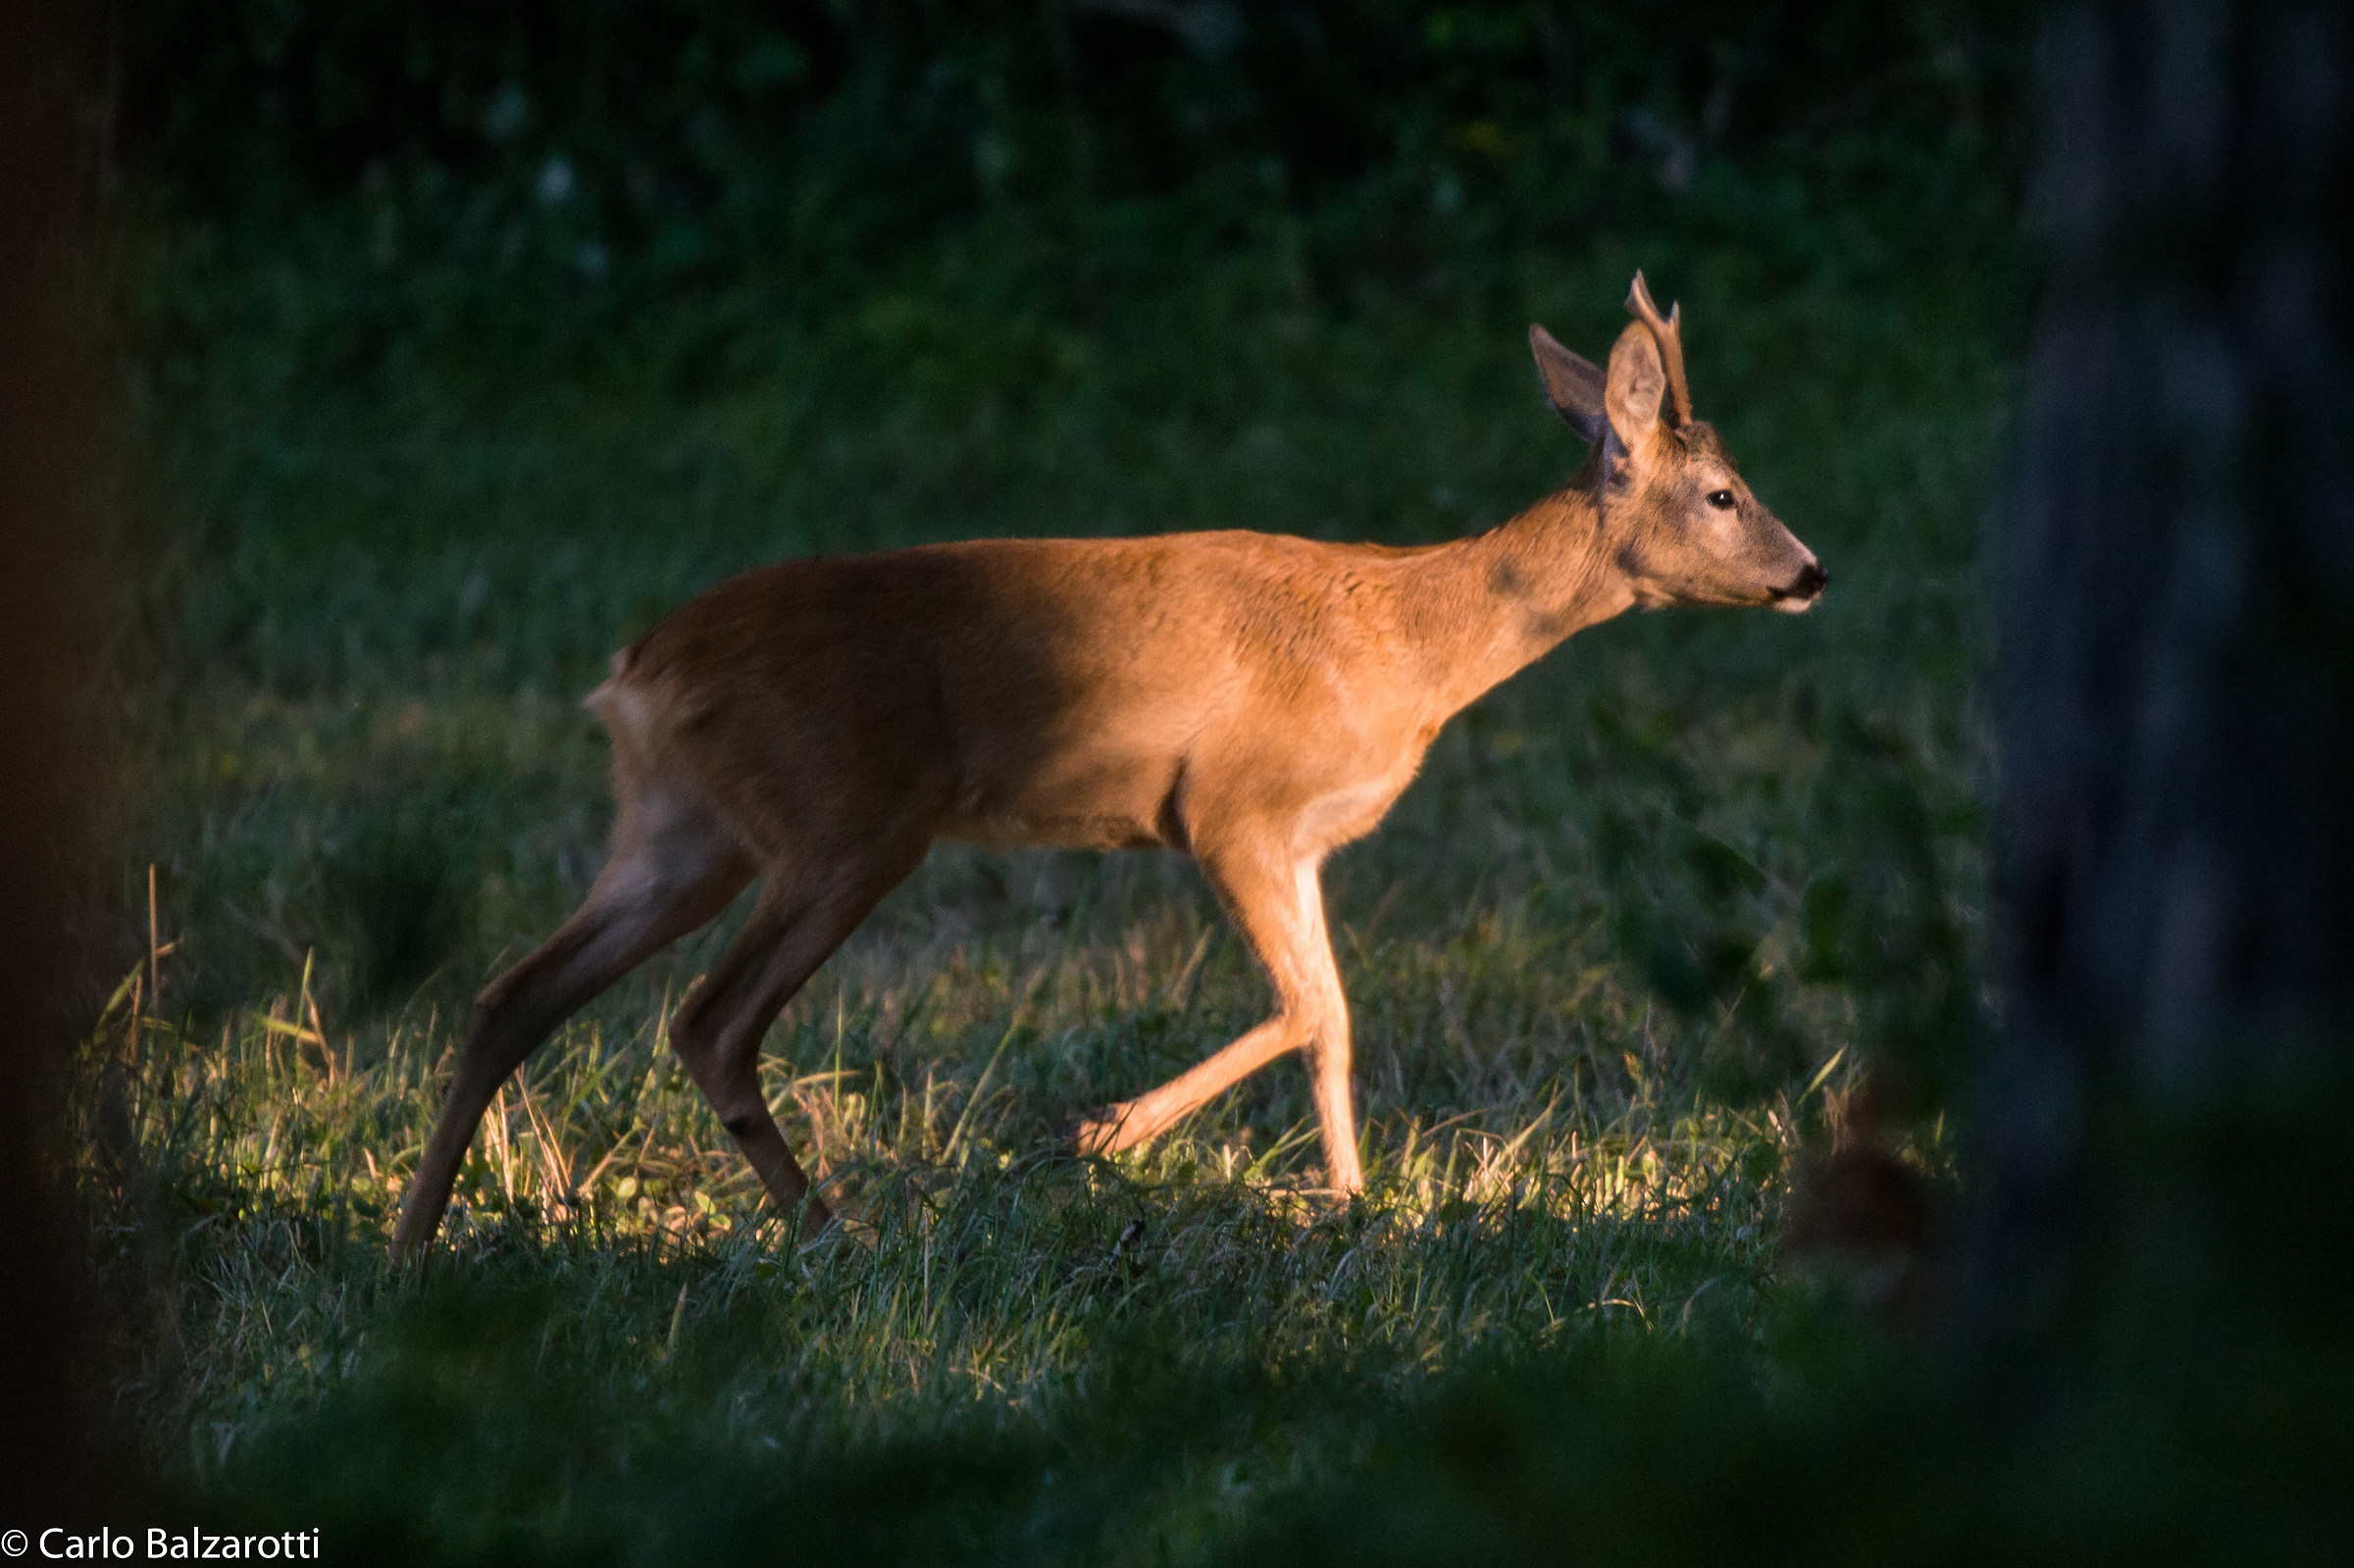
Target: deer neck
1488, 606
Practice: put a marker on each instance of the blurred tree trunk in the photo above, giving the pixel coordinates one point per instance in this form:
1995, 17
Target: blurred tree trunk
46, 179
2165, 1114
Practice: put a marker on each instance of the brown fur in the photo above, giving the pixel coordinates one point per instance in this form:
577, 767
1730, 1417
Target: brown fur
1252, 699
1858, 1216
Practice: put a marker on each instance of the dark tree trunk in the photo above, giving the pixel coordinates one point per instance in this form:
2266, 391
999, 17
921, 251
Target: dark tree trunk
2165, 1112
47, 180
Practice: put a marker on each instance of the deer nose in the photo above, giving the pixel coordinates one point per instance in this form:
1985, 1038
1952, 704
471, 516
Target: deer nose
1811, 581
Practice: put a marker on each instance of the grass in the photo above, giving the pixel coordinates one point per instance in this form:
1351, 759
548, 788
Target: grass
1649, 908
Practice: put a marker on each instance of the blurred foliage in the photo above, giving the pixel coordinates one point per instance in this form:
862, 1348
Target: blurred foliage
740, 116
585, 160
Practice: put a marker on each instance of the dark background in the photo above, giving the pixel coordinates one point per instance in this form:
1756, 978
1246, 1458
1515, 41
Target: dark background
591, 159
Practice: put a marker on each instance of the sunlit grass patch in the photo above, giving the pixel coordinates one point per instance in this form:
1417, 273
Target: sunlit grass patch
977, 1269
605, 1129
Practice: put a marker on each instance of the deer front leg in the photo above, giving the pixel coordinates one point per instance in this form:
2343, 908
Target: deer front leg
1278, 904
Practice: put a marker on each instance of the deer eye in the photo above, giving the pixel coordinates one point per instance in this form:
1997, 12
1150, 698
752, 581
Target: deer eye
1721, 500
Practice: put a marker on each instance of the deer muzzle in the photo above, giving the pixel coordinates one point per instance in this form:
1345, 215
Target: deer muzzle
1802, 590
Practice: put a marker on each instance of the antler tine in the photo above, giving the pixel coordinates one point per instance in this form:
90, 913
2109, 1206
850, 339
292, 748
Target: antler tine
1667, 333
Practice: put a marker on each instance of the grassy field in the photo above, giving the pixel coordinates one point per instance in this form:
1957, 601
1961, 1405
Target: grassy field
1611, 959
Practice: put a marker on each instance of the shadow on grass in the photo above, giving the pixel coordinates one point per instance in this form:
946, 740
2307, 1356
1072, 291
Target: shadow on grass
468, 1434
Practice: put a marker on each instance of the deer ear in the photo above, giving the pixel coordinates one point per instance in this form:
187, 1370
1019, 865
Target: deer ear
1571, 384
1637, 382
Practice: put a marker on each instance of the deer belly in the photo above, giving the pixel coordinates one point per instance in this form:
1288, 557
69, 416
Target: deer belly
1111, 804
1011, 830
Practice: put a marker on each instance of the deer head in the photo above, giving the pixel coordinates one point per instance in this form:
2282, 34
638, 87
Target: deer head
1677, 517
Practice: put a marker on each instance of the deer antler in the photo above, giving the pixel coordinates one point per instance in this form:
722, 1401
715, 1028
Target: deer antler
1663, 332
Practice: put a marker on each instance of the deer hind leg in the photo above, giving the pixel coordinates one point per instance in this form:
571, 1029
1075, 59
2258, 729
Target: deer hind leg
793, 930
674, 867
1278, 904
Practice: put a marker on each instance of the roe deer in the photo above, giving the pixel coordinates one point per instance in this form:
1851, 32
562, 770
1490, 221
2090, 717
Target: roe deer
1252, 699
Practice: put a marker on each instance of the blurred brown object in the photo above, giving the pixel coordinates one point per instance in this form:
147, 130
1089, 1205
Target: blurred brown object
51, 151
1857, 1217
